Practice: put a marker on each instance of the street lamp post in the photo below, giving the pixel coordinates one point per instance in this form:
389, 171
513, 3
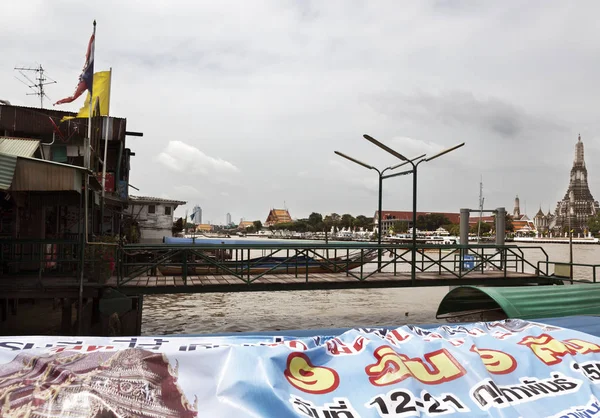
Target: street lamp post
415, 164
381, 178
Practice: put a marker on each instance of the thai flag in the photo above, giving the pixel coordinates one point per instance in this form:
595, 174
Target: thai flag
86, 79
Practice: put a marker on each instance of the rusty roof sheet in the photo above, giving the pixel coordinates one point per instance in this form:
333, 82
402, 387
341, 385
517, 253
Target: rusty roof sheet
19, 147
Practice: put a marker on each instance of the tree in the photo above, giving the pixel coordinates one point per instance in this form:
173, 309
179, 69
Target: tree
328, 222
257, 225
177, 226
594, 224
400, 227
315, 219
508, 223
335, 218
453, 229
361, 221
485, 228
250, 229
431, 221
315, 222
347, 221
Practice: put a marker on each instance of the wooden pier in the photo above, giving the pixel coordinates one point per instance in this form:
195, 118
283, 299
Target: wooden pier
32, 287
318, 281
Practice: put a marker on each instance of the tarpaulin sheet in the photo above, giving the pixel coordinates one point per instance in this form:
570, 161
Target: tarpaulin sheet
507, 368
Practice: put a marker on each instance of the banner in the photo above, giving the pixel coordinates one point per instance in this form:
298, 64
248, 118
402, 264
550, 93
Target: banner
508, 368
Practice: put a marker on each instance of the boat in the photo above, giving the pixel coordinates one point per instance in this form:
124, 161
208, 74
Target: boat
275, 265
260, 265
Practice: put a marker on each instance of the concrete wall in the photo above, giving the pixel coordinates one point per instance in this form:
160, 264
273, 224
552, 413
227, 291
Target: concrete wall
153, 226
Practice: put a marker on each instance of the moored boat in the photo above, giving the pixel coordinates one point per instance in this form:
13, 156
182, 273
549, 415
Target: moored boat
274, 265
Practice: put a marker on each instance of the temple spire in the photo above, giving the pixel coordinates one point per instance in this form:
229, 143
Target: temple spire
578, 204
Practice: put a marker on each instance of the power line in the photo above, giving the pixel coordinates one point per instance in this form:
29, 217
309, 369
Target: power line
38, 84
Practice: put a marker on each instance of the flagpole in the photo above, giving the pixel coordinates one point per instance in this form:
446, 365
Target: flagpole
84, 238
89, 135
106, 134
105, 146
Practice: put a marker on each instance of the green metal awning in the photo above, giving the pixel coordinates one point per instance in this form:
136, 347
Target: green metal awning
522, 302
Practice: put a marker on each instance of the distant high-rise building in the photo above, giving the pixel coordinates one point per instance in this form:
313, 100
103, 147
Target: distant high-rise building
197, 215
228, 219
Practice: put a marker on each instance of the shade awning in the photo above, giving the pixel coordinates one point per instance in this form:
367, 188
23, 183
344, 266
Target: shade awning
524, 302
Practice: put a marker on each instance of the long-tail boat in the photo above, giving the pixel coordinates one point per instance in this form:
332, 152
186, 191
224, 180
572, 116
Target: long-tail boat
300, 264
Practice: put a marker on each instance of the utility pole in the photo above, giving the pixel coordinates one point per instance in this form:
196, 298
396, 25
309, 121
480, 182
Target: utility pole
481, 199
37, 84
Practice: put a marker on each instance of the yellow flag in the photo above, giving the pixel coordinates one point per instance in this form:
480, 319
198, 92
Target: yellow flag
101, 96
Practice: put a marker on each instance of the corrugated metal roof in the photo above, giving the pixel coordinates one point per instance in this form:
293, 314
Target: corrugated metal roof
525, 302
7, 170
154, 199
18, 147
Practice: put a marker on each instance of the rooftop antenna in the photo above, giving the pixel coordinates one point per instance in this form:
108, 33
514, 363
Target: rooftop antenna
41, 80
481, 199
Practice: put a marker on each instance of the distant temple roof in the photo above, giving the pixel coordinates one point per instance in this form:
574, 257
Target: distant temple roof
278, 216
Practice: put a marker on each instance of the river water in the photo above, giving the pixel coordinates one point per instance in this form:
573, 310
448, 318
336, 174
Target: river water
273, 311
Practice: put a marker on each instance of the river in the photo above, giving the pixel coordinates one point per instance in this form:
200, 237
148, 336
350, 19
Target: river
273, 311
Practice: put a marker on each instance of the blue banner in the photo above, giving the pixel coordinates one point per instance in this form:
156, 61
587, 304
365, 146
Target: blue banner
507, 368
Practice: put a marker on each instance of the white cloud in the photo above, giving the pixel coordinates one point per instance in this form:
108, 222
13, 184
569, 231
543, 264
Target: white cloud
182, 157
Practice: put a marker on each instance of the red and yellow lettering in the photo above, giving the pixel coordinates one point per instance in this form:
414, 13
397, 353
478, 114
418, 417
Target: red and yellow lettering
303, 375
336, 347
392, 367
582, 347
496, 362
546, 348
397, 337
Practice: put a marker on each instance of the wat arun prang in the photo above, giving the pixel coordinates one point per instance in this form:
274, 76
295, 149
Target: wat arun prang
578, 197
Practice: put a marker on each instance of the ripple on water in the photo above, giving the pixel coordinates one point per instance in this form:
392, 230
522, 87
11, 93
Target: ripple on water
273, 311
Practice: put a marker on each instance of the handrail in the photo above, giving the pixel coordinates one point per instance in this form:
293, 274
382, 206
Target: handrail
594, 268
134, 259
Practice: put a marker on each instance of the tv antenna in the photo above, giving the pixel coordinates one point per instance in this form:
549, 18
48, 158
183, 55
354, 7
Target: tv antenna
37, 84
481, 200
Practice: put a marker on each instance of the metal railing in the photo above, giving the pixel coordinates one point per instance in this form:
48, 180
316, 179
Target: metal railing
582, 272
40, 257
56, 258
251, 262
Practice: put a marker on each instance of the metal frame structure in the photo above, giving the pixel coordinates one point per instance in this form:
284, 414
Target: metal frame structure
414, 165
428, 259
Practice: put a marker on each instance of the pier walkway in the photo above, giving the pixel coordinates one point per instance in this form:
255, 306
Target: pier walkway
68, 287
316, 281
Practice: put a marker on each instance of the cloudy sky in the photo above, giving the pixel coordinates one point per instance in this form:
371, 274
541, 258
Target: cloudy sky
242, 103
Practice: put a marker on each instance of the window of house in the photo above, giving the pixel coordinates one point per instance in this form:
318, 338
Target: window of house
167, 210
151, 209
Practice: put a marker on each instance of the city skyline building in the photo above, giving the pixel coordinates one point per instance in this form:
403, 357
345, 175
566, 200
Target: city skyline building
228, 219
197, 215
